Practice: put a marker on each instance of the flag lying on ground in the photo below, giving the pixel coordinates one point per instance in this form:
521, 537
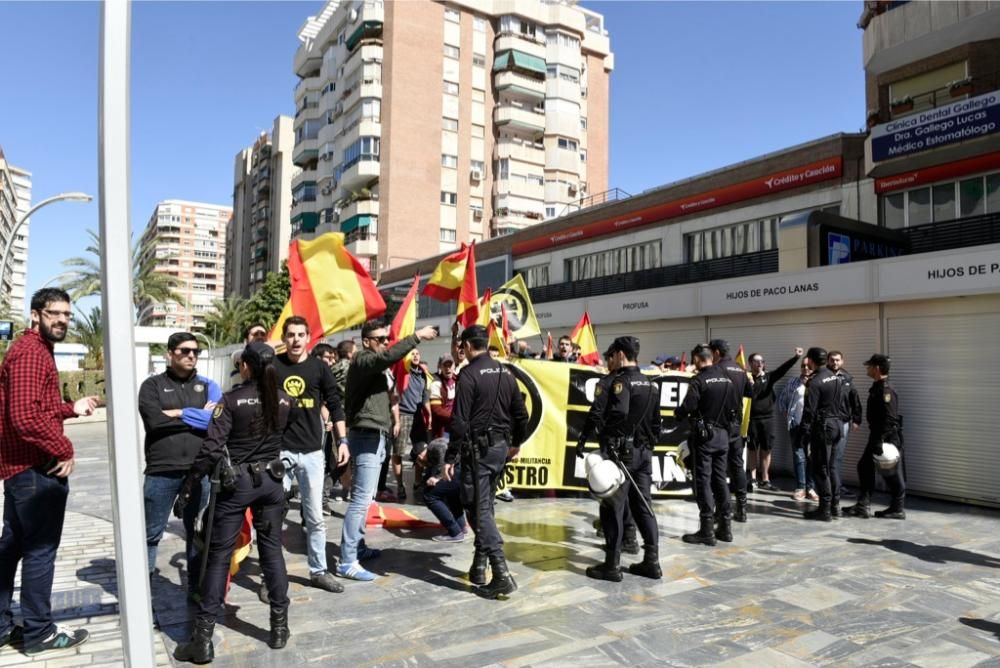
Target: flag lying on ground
583, 336
403, 325
395, 518
455, 278
330, 288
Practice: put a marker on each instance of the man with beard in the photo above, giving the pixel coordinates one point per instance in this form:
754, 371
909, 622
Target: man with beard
36, 460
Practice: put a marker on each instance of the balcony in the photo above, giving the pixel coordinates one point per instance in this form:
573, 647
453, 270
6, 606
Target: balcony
517, 85
522, 151
361, 242
307, 60
371, 89
523, 43
752, 264
519, 187
528, 121
365, 30
950, 234
359, 207
305, 154
361, 173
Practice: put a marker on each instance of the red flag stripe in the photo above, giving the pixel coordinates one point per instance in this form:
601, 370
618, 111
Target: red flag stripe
302, 297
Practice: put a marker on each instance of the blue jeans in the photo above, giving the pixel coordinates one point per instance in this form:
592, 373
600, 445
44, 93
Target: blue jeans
309, 469
367, 452
445, 501
33, 511
803, 476
159, 491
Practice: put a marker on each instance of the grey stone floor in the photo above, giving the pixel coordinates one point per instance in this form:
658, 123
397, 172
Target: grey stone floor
923, 592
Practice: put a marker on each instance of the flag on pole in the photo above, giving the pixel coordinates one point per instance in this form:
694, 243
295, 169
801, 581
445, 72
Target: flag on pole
504, 324
520, 312
741, 357
485, 314
548, 346
583, 336
330, 288
496, 339
455, 278
403, 325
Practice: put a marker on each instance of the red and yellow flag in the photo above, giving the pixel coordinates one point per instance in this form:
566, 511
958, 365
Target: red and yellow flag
583, 336
403, 325
496, 339
330, 287
485, 314
741, 357
505, 324
455, 278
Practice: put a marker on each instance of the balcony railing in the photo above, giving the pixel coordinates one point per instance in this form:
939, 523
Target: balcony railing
764, 262
949, 234
613, 195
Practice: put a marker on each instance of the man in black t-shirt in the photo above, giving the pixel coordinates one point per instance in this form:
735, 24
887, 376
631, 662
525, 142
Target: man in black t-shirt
311, 384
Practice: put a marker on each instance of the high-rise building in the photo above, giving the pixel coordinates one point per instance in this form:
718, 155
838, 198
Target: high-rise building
420, 125
15, 201
188, 241
258, 235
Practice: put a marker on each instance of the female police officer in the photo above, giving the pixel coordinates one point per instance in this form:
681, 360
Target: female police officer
243, 446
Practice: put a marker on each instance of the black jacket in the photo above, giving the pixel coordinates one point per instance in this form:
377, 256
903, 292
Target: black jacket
487, 398
850, 404
367, 389
883, 413
311, 384
712, 395
172, 443
742, 386
762, 402
823, 398
626, 403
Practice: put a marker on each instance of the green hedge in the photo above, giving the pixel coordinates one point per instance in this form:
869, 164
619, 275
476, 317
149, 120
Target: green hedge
76, 384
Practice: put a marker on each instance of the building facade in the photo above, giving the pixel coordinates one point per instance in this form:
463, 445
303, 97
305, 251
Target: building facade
420, 125
186, 240
15, 201
257, 237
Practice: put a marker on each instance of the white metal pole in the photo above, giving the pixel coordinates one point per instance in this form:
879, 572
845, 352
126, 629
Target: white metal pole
116, 297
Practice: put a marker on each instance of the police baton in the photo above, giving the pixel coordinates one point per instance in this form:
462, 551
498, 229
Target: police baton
208, 520
632, 480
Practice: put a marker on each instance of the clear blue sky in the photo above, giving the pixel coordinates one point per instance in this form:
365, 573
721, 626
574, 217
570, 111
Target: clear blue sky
696, 86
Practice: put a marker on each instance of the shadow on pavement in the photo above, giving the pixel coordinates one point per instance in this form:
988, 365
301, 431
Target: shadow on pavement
937, 554
981, 625
419, 565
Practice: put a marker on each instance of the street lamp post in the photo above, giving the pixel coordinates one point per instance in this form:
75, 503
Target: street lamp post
76, 197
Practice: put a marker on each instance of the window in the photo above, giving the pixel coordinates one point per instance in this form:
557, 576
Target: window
450, 124
451, 88
568, 144
613, 262
535, 276
448, 235
927, 90
449, 160
583, 155
503, 172
478, 130
449, 198
451, 51
340, 40
451, 14
563, 72
478, 61
477, 164
729, 240
478, 95
971, 196
550, 212
478, 24
583, 122
364, 148
562, 39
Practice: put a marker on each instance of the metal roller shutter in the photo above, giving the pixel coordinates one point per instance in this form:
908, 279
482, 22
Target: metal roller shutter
656, 337
947, 395
857, 339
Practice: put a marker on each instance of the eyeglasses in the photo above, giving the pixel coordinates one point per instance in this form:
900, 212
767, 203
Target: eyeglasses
380, 339
58, 314
184, 352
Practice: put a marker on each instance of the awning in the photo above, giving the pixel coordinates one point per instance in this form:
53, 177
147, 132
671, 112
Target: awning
308, 220
354, 222
528, 62
367, 28
500, 62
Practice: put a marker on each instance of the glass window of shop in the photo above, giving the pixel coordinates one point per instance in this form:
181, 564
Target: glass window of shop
738, 239
972, 196
613, 262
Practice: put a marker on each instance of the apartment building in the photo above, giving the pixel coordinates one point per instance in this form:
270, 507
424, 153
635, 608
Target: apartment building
420, 125
188, 241
15, 201
258, 235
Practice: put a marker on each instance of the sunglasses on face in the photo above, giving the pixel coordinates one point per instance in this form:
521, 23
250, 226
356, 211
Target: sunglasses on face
380, 339
184, 352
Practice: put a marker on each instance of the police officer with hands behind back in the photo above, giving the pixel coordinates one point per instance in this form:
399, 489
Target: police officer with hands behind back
821, 423
244, 445
744, 390
625, 416
711, 404
487, 428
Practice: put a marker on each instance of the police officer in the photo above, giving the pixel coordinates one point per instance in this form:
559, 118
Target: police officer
821, 423
710, 404
243, 447
625, 417
744, 390
487, 428
884, 426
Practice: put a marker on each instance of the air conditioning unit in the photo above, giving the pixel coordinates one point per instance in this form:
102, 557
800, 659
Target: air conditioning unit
326, 156
572, 189
327, 189
583, 187
476, 174
353, 15
339, 108
477, 214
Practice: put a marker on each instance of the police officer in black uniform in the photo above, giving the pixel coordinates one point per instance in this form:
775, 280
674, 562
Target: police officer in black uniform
488, 421
243, 450
625, 417
744, 390
884, 426
710, 404
821, 423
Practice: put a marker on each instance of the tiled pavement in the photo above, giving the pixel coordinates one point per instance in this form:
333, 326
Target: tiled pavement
924, 592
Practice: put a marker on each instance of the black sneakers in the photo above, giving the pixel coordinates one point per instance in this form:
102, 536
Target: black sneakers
14, 636
61, 638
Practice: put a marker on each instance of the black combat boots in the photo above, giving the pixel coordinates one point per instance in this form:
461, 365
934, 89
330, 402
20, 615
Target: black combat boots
724, 529
502, 583
199, 649
477, 572
279, 630
705, 535
860, 509
741, 509
821, 514
609, 570
649, 567
630, 544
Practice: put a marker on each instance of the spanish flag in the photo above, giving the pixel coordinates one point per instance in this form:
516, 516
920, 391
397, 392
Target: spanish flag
583, 336
330, 288
496, 339
403, 325
485, 314
504, 324
455, 278
741, 357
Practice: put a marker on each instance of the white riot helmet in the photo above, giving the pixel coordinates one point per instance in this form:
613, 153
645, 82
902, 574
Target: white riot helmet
604, 478
889, 458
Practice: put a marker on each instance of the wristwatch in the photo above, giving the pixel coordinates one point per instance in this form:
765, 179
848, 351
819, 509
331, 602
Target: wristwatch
341, 441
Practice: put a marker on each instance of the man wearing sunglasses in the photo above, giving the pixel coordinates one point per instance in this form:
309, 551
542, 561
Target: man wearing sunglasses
176, 408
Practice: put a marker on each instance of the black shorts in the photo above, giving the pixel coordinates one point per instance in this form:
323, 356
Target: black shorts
761, 434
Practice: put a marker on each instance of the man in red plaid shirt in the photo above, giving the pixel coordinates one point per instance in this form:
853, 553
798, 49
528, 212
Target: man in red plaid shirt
36, 460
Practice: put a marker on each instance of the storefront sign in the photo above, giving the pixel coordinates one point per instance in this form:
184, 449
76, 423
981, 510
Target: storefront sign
966, 119
949, 170
839, 285
934, 274
837, 240
815, 172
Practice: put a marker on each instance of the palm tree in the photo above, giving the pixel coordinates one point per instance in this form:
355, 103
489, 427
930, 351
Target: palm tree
88, 329
148, 285
224, 325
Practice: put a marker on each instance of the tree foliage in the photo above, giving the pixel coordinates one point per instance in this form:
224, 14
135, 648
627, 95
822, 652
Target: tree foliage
265, 306
225, 323
88, 329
